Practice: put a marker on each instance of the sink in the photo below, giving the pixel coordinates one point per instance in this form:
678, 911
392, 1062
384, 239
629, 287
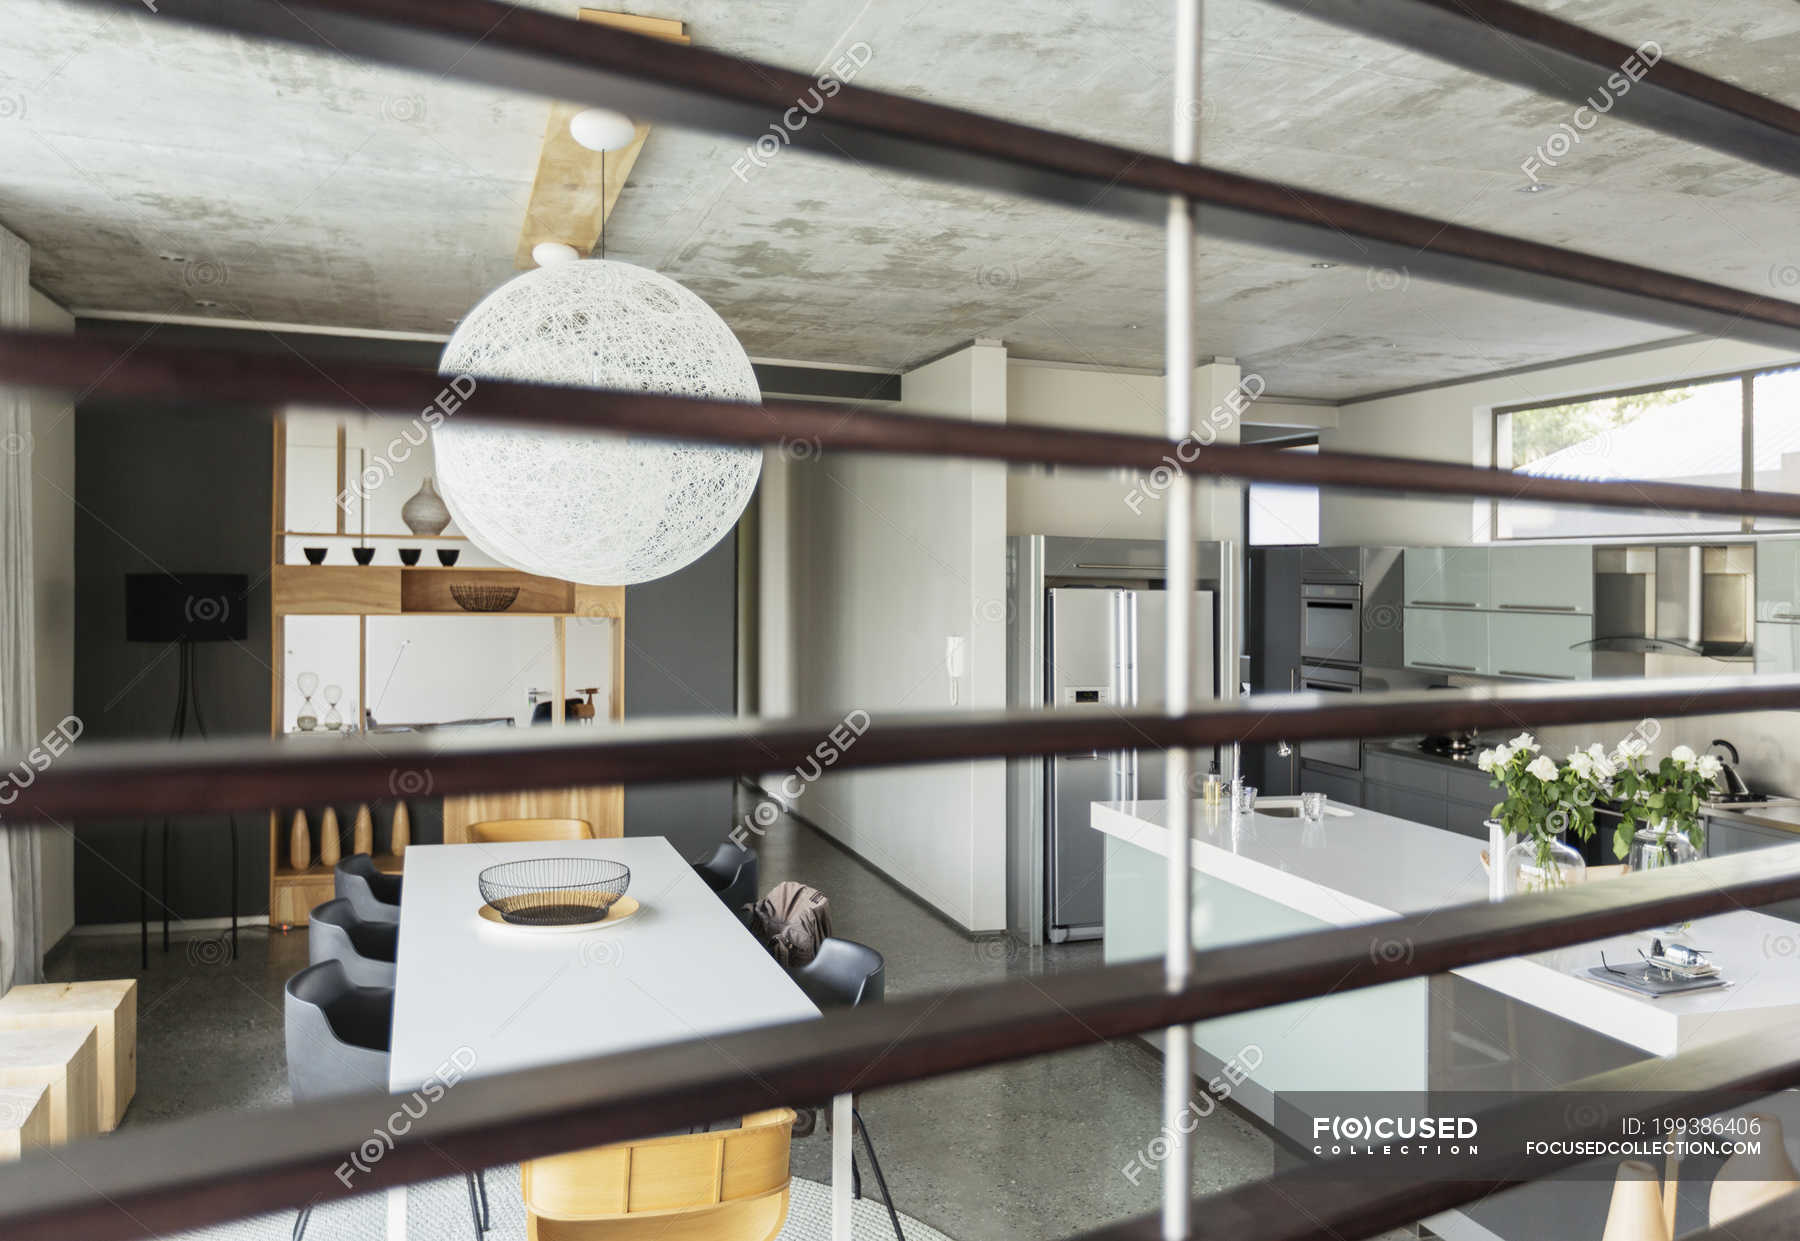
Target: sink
1279, 812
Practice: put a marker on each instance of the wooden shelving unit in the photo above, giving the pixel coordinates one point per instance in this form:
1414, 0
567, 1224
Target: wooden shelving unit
363, 591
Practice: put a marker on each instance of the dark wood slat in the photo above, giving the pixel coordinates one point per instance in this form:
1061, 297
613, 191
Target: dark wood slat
526, 50
190, 1173
98, 780
1513, 43
254, 378
1320, 1202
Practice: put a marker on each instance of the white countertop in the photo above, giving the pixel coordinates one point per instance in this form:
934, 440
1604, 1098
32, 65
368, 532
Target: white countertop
683, 967
1364, 866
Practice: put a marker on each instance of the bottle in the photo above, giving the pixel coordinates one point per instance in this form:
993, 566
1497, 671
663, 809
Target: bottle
1214, 787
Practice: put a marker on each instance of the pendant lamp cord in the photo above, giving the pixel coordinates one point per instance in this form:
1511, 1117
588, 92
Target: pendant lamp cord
603, 205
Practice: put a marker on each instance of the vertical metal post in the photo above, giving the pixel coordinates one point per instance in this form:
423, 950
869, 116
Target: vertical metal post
1178, 534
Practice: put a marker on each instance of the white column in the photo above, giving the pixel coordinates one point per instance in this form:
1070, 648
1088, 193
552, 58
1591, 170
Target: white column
842, 1134
1221, 393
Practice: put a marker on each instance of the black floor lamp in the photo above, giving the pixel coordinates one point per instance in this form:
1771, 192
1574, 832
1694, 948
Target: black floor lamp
183, 609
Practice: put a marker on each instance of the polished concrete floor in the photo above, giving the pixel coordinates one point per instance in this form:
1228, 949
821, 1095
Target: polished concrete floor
1020, 1152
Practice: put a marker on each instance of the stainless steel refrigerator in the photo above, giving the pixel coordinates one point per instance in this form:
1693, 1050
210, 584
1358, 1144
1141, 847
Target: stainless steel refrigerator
1104, 652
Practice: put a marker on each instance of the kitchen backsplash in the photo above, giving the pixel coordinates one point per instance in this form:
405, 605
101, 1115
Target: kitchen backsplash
1767, 741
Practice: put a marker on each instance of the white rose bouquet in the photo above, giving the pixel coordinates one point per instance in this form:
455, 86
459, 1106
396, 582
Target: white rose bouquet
1544, 800
1666, 796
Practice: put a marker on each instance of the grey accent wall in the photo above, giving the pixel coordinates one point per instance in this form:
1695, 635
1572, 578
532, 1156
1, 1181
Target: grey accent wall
680, 659
182, 491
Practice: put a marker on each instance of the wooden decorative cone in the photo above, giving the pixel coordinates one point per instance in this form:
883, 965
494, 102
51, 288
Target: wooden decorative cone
331, 839
299, 842
362, 835
331, 846
1636, 1213
402, 830
1747, 1181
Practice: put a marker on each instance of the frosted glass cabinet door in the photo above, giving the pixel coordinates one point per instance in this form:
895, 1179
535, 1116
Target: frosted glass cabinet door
1777, 648
1536, 644
1777, 582
1446, 640
1542, 579
1446, 577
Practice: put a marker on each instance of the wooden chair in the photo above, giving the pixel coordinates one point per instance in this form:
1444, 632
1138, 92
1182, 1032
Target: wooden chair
512, 831
730, 1185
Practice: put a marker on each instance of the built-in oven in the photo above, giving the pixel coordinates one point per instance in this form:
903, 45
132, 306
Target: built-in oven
1322, 678
1331, 623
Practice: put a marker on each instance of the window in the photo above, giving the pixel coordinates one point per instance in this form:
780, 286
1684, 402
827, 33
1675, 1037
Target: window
1688, 434
1775, 436
1284, 515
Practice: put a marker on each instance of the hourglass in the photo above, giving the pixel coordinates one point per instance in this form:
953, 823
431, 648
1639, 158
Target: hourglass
308, 719
333, 720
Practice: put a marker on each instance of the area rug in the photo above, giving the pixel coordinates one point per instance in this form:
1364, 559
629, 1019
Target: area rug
439, 1211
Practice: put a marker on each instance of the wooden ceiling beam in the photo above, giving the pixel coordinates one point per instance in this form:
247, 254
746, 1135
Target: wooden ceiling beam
569, 198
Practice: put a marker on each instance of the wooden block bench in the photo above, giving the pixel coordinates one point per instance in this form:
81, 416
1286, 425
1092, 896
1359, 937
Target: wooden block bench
24, 1120
65, 1061
110, 1006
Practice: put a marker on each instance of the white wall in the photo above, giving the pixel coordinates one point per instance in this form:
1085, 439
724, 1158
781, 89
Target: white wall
1455, 423
53, 571
1087, 503
889, 558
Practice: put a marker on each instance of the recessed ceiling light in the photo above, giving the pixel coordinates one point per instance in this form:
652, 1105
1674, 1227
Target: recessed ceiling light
172, 258
1536, 187
1132, 327
1324, 266
207, 305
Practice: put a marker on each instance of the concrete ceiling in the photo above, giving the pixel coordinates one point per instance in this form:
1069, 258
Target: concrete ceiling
154, 168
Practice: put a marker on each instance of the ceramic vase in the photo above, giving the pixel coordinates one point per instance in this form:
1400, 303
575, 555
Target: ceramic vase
362, 834
331, 840
1636, 1213
299, 842
426, 512
1746, 1182
401, 834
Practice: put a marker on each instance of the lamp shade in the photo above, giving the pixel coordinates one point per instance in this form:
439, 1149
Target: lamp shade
602, 129
1636, 1211
1748, 1181
601, 509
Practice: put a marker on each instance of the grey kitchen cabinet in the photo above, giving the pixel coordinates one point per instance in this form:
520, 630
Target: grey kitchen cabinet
1413, 805
1778, 580
1429, 791
1469, 818
1341, 787
1541, 645
1446, 639
1542, 579
1725, 837
1447, 577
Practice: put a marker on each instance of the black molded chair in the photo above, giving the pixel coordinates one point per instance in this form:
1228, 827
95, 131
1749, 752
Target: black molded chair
338, 1035
374, 896
731, 872
366, 950
843, 974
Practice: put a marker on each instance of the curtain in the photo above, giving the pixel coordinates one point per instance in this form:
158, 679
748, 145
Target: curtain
21, 947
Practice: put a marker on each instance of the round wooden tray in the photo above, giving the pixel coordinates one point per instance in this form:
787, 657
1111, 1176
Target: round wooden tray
622, 909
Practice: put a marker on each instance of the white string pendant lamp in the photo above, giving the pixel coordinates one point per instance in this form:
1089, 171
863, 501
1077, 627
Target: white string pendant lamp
601, 509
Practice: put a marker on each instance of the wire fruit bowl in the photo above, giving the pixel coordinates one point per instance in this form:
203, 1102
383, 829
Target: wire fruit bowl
556, 891
482, 598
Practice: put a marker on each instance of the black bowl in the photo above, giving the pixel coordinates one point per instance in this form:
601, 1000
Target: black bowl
447, 555
409, 555
364, 555
314, 555
553, 891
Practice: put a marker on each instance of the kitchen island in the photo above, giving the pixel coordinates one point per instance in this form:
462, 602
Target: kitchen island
1520, 1024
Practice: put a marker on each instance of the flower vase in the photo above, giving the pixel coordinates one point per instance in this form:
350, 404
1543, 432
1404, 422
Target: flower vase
425, 512
1654, 847
1525, 873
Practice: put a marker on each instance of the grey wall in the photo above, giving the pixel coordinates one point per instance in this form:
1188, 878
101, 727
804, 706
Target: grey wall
680, 659
182, 491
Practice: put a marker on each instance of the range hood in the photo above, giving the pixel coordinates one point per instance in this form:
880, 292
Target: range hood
1679, 599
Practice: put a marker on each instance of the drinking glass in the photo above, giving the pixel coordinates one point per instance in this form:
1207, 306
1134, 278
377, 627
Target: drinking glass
1246, 799
1312, 807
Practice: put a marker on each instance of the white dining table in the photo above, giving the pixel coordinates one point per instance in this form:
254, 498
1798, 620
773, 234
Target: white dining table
491, 999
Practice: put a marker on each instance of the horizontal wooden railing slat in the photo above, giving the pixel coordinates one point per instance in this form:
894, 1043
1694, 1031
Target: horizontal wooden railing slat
102, 367
190, 1173
96, 780
517, 48
1543, 53
1320, 1202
